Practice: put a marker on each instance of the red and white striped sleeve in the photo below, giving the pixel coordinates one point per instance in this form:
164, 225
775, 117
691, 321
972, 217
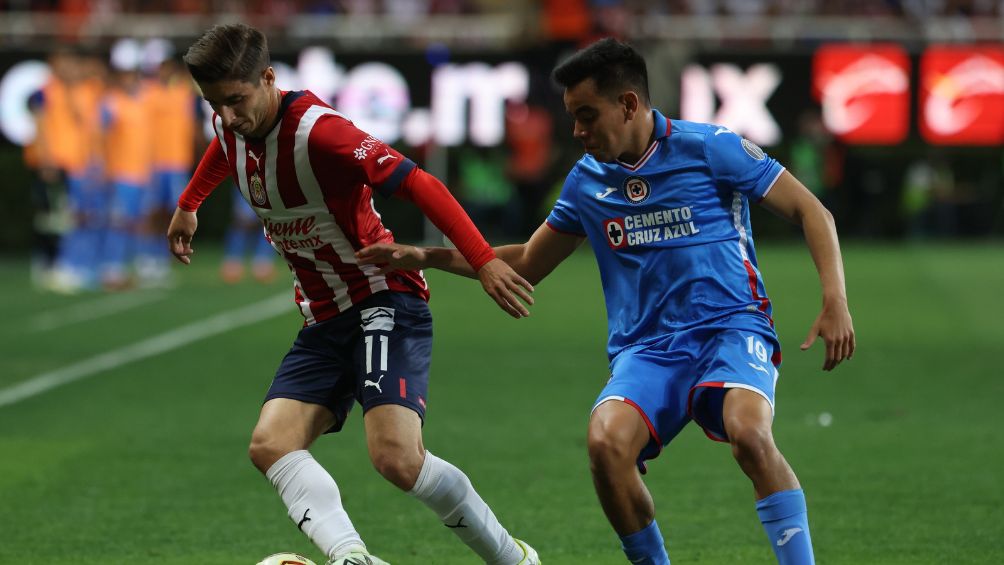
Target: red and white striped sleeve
212, 170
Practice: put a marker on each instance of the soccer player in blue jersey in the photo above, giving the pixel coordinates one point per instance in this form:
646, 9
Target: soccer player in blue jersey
665, 206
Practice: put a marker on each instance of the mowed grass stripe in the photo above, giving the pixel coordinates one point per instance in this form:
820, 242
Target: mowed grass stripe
155, 345
91, 310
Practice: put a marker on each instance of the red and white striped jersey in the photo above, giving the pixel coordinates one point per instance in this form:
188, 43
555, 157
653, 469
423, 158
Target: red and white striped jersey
311, 182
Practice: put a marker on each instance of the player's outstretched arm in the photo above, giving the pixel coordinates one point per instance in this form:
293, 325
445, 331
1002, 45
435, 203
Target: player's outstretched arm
499, 280
180, 233
532, 261
790, 199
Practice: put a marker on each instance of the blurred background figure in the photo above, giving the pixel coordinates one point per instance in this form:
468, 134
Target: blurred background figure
486, 192
245, 236
927, 202
174, 111
68, 148
47, 188
530, 140
126, 119
816, 159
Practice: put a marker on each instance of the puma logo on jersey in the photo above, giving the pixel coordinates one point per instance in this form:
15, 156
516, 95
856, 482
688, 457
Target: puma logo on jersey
608, 192
375, 385
787, 535
385, 157
256, 158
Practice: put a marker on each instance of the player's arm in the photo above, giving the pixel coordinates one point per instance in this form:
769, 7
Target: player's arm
533, 260
337, 149
790, 199
212, 170
497, 278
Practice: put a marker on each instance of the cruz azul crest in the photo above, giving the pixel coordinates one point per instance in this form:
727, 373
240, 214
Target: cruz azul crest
636, 189
257, 190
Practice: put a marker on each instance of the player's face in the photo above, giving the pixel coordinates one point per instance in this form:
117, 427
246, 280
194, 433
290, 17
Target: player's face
246, 108
601, 124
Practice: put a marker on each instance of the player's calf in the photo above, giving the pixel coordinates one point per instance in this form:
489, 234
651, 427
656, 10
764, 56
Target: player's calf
448, 492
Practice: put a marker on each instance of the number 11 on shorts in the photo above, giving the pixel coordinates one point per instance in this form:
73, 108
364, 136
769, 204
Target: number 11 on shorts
383, 353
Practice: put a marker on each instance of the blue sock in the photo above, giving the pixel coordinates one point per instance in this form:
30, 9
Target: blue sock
233, 244
118, 242
645, 547
786, 522
263, 250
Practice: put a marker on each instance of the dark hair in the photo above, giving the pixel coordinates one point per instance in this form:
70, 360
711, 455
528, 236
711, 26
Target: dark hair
228, 52
613, 66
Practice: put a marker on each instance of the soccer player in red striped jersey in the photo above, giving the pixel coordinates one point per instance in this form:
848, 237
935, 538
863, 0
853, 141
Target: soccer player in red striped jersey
309, 174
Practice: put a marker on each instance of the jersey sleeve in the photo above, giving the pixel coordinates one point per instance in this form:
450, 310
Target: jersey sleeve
212, 170
435, 201
339, 148
738, 164
564, 216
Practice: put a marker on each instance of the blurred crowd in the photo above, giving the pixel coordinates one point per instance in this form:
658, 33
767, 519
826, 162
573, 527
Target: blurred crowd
114, 149
904, 8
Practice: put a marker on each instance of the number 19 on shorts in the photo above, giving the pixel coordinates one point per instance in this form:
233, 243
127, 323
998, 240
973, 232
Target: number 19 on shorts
756, 347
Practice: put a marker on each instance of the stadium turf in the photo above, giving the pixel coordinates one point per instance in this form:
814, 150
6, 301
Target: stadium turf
141, 457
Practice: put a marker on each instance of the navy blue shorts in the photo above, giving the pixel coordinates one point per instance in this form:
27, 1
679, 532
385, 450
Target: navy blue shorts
377, 352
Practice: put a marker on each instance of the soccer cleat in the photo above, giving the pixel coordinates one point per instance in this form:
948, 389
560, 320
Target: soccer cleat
530, 556
357, 556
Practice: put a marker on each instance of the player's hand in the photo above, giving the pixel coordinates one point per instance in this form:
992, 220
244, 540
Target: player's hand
393, 257
506, 287
834, 325
180, 233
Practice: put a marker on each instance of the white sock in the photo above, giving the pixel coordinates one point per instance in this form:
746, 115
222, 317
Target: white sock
314, 502
448, 492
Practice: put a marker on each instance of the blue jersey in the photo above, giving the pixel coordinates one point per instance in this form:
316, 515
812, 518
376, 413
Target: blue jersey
671, 233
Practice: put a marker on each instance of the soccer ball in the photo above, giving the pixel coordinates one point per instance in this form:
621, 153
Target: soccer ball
285, 559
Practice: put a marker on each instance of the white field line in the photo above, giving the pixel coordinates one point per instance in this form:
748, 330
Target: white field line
105, 306
167, 341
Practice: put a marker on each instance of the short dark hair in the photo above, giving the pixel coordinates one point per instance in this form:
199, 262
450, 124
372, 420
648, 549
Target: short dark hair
613, 66
228, 52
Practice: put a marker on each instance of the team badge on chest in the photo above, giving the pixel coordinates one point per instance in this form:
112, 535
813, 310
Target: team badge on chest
636, 189
257, 190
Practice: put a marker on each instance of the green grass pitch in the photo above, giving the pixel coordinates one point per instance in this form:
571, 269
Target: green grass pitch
145, 461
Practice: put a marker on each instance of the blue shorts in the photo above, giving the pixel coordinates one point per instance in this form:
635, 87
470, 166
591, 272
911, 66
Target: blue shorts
129, 203
87, 195
685, 376
167, 186
377, 352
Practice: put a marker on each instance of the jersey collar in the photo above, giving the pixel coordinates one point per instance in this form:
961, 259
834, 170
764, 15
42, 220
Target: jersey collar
662, 126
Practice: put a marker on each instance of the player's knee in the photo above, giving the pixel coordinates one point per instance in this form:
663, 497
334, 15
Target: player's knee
751, 444
608, 448
397, 464
264, 451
